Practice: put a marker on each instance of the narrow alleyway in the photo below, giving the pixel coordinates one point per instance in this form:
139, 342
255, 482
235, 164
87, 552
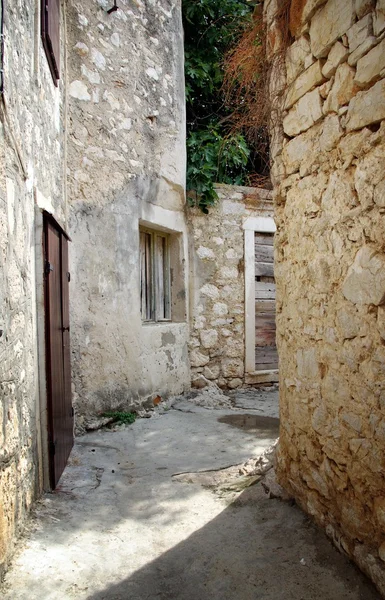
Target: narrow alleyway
121, 526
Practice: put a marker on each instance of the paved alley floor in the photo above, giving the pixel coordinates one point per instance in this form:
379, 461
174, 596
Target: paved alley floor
121, 526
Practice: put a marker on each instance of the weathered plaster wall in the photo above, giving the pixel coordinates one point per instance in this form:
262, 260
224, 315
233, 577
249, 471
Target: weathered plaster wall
217, 284
329, 169
31, 127
126, 156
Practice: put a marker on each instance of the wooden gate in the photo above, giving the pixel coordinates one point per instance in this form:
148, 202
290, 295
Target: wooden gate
266, 355
58, 366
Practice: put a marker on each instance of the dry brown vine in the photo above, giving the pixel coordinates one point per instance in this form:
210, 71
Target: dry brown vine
249, 67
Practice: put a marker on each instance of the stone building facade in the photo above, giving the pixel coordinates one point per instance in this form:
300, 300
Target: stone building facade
99, 147
32, 178
329, 192
126, 170
220, 279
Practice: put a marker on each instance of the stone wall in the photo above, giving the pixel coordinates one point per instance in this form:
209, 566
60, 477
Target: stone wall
31, 178
217, 284
126, 166
329, 189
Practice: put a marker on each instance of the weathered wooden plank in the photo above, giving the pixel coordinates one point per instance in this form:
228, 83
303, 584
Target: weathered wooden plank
267, 367
264, 291
266, 239
266, 356
264, 253
264, 306
266, 269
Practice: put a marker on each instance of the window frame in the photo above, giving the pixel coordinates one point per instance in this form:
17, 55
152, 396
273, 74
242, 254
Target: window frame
50, 35
158, 281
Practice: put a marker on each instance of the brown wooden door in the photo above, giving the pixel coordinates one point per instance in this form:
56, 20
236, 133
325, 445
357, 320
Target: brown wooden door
266, 355
59, 405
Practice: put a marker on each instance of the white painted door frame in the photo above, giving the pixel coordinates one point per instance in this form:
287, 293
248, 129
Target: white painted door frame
251, 226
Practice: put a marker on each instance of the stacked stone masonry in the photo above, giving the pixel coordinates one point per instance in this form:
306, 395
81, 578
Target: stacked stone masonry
103, 152
31, 179
126, 167
217, 282
329, 193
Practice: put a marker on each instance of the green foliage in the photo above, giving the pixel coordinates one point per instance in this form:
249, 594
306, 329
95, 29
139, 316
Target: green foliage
213, 155
120, 417
214, 158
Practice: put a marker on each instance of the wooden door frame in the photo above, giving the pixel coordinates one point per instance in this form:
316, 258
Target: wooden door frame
50, 224
251, 226
42, 393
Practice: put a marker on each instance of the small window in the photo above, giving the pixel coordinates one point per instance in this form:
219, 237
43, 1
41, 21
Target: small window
155, 276
50, 33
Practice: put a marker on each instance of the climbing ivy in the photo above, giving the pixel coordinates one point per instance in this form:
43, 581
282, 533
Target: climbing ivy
214, 154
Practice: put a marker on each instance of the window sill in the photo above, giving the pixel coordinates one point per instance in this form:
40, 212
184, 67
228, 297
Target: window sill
160, 323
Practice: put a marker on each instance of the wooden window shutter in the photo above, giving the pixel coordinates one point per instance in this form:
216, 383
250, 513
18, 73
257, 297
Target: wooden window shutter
50, 33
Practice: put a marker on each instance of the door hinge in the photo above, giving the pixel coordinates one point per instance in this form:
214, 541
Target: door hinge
48, 267
72, 411
69, 276
52, 448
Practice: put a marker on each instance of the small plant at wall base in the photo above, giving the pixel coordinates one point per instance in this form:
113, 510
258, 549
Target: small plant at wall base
120, 417
214, 153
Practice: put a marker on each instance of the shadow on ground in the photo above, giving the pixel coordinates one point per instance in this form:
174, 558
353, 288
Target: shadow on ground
256, 549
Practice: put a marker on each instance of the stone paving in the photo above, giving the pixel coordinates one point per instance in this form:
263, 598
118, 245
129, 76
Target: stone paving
121, 526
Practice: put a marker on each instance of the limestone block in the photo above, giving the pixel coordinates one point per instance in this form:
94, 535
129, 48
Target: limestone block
212, 372
370, 66
295, 58
381, 551
362, 7
210, 290
337, 55
235, 383
232, 367
348, 324
78, 90
220, 309
315, 481
381, 321
198, 360
304, 114
379, 17
205, 253
209, 338
331, 133
367, 107
305, 82
379, 511
354, 421
379, 194
343, 89
353, 144
362, 49
199, 381
365, 280
302, 151
307, 363
325, 88
310, 8
341, 186
358, 33
328, 24
233, 208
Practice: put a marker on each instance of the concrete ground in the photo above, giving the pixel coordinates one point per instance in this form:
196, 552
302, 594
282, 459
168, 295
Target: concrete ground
121, 527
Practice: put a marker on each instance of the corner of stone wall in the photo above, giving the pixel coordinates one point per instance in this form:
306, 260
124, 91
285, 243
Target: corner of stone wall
329, 192
217, 341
